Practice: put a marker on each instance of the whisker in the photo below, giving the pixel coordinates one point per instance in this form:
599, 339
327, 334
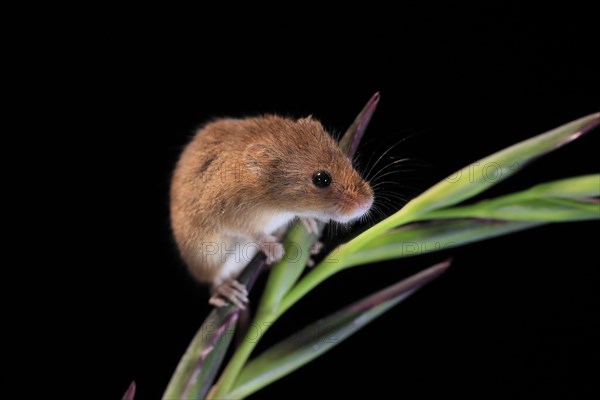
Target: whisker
390, 165
391, 173
390, 206
380, 157
378, 184
375, 210
393, 196
410, 136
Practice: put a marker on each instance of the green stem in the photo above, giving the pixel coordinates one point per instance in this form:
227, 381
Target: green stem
239, 358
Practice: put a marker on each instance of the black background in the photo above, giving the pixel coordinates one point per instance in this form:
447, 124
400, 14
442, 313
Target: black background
515, 317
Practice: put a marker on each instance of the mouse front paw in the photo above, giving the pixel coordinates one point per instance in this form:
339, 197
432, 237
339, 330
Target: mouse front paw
271, 247
273, 250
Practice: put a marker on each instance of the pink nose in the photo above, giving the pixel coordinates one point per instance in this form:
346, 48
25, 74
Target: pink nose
366, 204
363, 204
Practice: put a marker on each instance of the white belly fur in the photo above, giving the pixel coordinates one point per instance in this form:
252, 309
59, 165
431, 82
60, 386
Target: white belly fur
277, 221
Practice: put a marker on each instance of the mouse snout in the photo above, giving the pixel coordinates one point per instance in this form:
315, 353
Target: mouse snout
365, 204
353, 208
355, 203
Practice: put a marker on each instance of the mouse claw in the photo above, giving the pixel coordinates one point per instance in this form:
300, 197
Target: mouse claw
316, 247
230, 291
311, 225
217, 301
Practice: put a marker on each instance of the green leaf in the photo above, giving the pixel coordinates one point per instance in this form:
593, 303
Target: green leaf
560, 201
321, 336
543, 210
579, 187
427, 237
480, 175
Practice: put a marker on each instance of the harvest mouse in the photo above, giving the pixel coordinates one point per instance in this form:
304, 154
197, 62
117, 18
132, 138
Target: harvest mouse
239, 180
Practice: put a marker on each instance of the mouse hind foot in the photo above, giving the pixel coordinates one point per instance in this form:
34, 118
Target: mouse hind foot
230, 291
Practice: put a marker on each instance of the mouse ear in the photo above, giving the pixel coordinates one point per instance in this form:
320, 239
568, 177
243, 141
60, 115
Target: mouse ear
308, 118
256, 157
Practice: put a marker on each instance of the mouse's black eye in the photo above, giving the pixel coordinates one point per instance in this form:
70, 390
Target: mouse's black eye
322, 179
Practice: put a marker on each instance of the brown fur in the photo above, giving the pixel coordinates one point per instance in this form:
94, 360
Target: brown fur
236, 174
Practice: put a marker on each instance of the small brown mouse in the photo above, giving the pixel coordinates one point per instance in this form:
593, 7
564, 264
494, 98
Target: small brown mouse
239, 180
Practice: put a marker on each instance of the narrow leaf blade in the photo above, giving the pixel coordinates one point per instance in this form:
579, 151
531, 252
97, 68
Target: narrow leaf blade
579, 187
543, 210
564, 200
426, 237
130, 393
480, 175
319, 337
353, 135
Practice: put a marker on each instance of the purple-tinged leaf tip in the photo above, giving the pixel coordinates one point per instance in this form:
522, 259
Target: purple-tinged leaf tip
407, 285
595, 121
351, 139
591, 126
130, 393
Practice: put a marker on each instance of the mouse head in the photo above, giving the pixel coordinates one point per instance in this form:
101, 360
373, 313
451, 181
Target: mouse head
302, 169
